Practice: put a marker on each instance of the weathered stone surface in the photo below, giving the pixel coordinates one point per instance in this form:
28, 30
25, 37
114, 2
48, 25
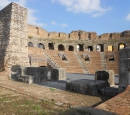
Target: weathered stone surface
36, 31
104, 36
13, 21
58, 74
53, 34
124, 68
89, 87
111, 79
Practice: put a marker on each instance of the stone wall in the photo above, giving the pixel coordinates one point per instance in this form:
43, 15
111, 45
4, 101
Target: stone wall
14, 51
63, 35
74, 35
36, 31
53, 34
115, 36
125, 34
104, 36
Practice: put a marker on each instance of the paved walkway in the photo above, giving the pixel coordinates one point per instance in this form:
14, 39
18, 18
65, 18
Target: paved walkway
119, 104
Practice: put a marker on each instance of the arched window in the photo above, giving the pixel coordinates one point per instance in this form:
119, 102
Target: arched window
71, 48
80, 47
121, 46
30, 44
90, 48
61, 47
110, 48
51, 46
40, 45
100, 47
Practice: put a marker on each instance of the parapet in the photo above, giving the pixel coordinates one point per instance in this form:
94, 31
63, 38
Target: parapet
37, 31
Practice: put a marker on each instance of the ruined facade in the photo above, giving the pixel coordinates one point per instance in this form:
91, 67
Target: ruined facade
85, 40
13, 36
28, 45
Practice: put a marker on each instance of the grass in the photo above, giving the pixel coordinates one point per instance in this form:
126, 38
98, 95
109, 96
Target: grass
12, 102
52, 89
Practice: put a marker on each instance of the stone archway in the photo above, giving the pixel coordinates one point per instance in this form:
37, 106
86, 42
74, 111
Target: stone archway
90, 48
110, 48
80, 47
121, 46
71, 48
61, 47
100, 48
40, 45
50, 46
30, 44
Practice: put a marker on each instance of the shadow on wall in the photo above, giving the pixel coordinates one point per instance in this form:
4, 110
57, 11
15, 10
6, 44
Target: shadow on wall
38, 74
14, 72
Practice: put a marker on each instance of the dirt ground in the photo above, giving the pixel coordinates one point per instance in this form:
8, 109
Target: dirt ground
17, 98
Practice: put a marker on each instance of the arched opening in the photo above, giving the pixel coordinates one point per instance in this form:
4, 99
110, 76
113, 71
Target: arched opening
80, 47
121, 46
61, 47
100, 48
71, 48
40, 45
30, 44
110, 48
90, 48
51, 46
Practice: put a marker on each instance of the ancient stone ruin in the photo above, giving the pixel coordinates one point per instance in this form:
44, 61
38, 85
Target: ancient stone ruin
13, 36
31, 46
24, 45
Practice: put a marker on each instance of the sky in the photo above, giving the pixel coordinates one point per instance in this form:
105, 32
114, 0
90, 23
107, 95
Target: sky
100, 16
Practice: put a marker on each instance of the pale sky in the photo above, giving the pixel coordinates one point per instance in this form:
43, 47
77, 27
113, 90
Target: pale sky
101, 16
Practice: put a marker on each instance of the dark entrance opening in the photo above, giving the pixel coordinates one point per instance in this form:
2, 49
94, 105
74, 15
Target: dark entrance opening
40, 45
90, 48
61, 47
51, 46
30, 44
71, 48
80, 47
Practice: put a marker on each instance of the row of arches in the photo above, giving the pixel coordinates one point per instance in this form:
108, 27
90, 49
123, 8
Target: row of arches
79, 47
51, 46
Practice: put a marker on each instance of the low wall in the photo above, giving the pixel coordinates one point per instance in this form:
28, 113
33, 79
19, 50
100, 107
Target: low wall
39, 73
58, 74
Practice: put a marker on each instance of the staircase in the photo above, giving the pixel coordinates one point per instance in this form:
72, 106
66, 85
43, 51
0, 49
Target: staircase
50, 61
103, 61
84, 68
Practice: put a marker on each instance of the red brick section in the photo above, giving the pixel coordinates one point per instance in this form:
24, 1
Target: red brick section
119, 104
